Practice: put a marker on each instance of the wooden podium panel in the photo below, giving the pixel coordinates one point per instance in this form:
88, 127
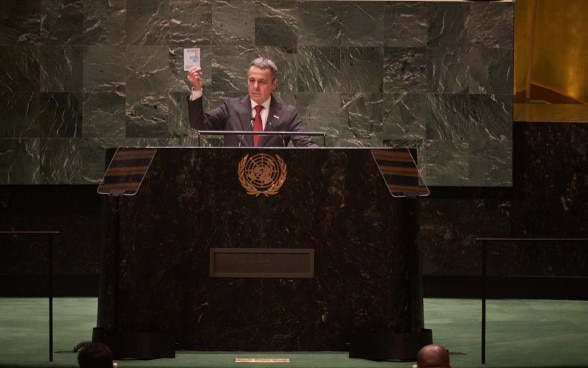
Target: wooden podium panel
365, 262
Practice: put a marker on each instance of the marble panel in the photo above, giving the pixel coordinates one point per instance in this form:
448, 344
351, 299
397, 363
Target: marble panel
405, 116
104, 22
362, 23
20, 23
60, 161
319, 69
447, 24
361, 69
190, 23
18, 115
405, 70
104, 69
61, 115
20, 68
487, 163
103, 115
233, 23
491, 25
449, 117
448, 70
147, 115
344, 23
229, 71
319, 24
276, 24
147, 69
364, 113
61, 68
147, 22
63, 22
455, 168
406, 23
322, 112
490, 70
20, 161
491, 117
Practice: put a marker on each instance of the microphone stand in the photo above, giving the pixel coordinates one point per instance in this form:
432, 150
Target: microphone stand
248, 132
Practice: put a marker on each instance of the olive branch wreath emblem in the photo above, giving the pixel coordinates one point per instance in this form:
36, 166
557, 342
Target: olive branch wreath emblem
262, 174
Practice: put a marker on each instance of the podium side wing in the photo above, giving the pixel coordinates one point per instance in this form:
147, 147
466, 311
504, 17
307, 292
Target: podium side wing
126, 171
400, 172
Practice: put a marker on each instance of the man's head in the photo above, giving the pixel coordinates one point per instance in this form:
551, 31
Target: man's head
433, 356
95, 355
262, 78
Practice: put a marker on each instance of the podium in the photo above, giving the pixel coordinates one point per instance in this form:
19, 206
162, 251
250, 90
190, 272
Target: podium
283, 249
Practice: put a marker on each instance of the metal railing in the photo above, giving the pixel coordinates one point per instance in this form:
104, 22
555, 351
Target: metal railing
50, 234
249, 132
484, 243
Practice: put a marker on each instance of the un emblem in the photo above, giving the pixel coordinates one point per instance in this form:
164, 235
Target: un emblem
262, 174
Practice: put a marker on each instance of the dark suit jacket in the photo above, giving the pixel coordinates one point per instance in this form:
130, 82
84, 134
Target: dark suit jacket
235, 114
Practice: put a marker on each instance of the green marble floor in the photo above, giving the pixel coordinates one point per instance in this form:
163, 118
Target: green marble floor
520, 333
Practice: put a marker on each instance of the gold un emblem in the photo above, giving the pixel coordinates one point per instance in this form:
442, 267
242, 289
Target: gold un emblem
262, 174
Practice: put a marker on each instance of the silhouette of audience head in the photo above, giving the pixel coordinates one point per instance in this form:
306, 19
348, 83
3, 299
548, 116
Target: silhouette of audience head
433, 356
95, 355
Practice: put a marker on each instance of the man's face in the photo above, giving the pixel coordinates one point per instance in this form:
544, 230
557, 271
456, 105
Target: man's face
260, 84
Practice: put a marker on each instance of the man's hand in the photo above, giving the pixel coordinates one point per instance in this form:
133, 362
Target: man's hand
195, 78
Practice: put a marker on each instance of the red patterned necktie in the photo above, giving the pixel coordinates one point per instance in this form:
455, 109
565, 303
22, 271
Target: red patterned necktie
257, 124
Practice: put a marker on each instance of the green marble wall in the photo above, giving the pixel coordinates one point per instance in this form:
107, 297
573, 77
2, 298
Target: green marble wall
79, 76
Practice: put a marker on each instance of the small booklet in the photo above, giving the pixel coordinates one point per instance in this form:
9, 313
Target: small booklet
191, 58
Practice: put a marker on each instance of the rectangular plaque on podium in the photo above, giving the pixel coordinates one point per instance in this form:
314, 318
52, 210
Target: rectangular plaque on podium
262, 262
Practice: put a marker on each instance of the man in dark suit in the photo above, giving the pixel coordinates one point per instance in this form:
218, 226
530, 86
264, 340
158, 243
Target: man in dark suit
241, 114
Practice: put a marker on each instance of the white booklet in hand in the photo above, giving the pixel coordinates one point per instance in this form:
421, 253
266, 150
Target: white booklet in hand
191, 58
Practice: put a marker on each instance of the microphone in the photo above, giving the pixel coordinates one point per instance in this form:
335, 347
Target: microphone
271, 128
250, 128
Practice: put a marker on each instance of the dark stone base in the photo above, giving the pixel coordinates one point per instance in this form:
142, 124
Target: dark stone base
389, 346
365, 273
137, 345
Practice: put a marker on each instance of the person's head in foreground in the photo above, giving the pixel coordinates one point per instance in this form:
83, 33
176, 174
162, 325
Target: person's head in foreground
433, 356
95, 355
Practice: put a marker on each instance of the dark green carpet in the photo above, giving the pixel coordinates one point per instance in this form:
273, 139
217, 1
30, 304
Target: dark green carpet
520, 333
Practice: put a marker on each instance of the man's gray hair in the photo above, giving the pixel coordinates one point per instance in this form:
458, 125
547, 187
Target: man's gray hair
263, 63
